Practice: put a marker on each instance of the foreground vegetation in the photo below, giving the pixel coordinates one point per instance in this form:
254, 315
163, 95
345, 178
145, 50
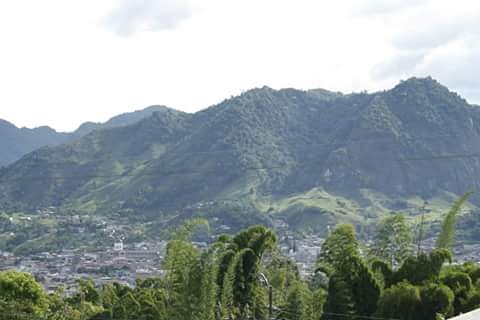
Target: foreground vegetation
246, 277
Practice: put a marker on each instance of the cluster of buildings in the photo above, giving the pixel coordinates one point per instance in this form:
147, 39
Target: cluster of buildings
62, 269
303, 251
126, 263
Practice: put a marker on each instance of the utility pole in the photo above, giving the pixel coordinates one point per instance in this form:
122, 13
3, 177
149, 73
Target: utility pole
420, 231
270, 302
82, 305
264, 281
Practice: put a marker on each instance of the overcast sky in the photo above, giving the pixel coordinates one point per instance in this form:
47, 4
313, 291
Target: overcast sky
63, 62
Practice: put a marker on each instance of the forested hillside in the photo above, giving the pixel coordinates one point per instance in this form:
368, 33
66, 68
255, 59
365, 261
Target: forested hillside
17, 142
310, 157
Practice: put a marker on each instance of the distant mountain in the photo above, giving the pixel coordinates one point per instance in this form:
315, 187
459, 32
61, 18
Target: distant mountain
312, 158
17, 142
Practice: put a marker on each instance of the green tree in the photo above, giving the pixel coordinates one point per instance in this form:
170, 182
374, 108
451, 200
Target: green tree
20, 293
180, 259
393, 240
383, 271
239, 271
447, 235
202, 286
282, 273
298, 304
128, 308
186, 230
436, 299
86, 292
59, 309
340, 244
319, 297
152, 303
401, 301
352, 287
364, 286
339, 299
424, 268
461, 285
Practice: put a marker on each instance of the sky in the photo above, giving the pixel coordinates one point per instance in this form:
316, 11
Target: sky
64, 62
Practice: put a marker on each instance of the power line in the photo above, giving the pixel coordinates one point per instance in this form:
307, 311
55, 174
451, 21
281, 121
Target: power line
443, 157
35, 156
420, 231
208, 171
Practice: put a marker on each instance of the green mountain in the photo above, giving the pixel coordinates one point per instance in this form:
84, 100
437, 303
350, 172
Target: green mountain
17, 142
311, 158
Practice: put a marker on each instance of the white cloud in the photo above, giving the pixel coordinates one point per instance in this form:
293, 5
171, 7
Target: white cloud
385, 7
399, 66
459, 66
132, 16
436, 32
439, 40
61, 66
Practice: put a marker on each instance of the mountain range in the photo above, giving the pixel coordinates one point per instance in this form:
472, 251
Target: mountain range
310, 158
17, 142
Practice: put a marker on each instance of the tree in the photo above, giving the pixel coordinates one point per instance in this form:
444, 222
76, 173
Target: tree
421, 269
461, 285
59, 309
393, 240
86, 292
129, 308
447, 235
185, 231
282, 273
436, 299
340, 244
239, 271
202, 286
384, 269
180, 258
339, 299
152, 304
319, 297
365, 287
401, 301
109, 299
352, 287
298, 304
20, 293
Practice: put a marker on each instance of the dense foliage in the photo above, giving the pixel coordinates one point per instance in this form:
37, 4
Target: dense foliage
237, 277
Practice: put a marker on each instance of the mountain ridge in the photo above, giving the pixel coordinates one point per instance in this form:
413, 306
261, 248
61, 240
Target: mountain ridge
375, 151
17, 142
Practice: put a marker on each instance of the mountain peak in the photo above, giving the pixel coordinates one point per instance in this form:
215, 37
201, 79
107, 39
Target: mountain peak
423, 89
6, 124
324, 94
258, 90
425, 82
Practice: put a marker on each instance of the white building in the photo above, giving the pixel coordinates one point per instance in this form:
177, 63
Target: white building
474, 315
118, 246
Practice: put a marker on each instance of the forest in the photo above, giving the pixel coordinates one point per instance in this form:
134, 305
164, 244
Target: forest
244, 276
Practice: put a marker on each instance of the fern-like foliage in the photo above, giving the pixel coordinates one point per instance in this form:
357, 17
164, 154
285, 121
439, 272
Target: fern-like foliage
447, 235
